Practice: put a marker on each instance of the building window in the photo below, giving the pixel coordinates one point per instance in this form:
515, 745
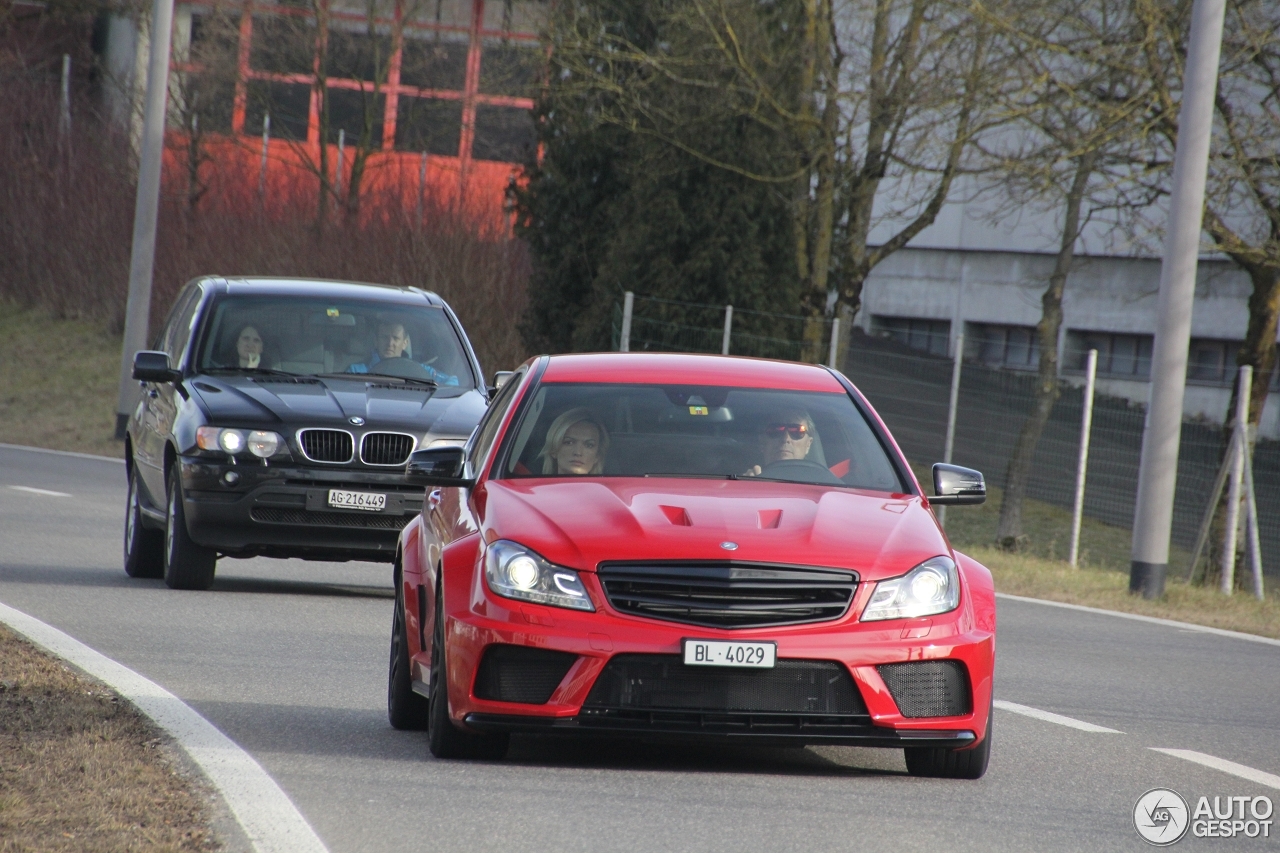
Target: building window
1016, 347
931, 336
1120, 356
1213, 362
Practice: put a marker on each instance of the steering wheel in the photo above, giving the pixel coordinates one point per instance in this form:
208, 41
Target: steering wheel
405, 368
800, 471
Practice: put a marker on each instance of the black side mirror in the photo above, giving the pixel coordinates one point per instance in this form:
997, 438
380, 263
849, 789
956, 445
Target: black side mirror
437, 466
153, 366
955, 485
499, 379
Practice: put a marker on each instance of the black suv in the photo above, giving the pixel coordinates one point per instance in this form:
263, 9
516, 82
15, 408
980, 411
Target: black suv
276, 419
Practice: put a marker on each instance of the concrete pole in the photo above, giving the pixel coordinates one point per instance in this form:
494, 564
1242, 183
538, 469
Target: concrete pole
1082, 462
628, 304
262, 166
146, 209
422, 187
64, 102
835, 343
728, 329
1158, 470
1244, 386
337, 170
950, 443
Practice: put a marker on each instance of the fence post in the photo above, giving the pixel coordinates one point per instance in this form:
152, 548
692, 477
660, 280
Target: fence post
422, 186
951, 414
728, 329
1082, 463
337, 171
1243, 388
262, 166
835, 343
1255, 535
628, 304
64, 103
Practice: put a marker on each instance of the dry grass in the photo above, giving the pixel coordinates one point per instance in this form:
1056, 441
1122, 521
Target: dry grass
82, 771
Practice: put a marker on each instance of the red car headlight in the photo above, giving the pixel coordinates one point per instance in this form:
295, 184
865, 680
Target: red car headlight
514, 571
930, 588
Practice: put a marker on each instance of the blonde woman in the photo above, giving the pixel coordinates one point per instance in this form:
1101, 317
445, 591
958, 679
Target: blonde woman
576, 445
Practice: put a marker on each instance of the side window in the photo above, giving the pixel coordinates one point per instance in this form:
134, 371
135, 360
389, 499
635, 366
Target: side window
488, 428
178, 332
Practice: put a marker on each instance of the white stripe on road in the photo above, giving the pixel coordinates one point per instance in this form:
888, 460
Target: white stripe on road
266, 813
1241, 770
61, 452
1168, 623
1050, 717
36, 491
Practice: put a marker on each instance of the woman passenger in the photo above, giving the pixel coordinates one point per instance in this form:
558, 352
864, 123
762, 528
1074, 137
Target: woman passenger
576, 445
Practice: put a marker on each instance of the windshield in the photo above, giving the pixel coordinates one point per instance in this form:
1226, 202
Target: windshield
308, 336
609, 430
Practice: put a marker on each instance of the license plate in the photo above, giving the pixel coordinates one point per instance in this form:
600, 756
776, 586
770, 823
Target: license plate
370, 501
730, 653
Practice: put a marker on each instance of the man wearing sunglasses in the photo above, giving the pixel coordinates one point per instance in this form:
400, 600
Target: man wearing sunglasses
789, 435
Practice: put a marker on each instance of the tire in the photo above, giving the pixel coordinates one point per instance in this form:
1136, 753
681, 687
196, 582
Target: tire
143, 547
406, 710
444, 739
951, 763
186, 564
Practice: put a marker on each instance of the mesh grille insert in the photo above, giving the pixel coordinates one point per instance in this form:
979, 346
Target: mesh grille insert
664, 683
936, 688
327, 445
521, 674
729, 595
386, 448
365, 520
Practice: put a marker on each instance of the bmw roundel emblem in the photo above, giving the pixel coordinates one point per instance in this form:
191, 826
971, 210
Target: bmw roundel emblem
729, 546
357, 421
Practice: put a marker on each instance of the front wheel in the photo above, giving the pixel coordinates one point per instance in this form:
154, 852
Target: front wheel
187, 565
444, 739
143, 548
951, 763
405, 709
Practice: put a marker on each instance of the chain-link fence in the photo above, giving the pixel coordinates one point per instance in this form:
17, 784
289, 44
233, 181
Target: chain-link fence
911, 391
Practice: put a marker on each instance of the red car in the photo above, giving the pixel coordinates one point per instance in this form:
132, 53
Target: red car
666, 546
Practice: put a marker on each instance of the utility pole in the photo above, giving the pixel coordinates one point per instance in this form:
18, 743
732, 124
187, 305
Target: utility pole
1158, 471
146, 209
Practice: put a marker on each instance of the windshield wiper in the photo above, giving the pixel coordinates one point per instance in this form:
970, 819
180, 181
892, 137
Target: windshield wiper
364, 377
268, 371
684, 476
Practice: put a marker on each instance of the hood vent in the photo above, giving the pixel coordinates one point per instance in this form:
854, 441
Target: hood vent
284, 380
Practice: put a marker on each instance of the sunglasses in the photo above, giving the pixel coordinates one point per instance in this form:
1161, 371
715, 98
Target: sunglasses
778, 431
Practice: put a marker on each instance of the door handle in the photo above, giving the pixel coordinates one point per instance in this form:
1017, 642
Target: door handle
433, 498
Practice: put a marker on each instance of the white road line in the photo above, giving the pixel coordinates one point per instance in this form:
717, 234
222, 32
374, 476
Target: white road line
4, 446
1168, 623
1050, 717
36, 491
1241, 770
268, 816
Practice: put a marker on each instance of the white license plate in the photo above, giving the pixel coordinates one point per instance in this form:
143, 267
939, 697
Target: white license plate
371, 501
727, 653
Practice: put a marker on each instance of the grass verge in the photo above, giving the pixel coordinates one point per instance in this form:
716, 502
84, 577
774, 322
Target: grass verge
81, 770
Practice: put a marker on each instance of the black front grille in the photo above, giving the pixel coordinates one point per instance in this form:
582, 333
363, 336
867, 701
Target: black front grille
728, 595
935, 688
386, 448
662, 683
521, 674
364, 520
327, 445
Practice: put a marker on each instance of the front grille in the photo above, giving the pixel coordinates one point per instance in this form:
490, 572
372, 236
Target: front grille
935, 688
728, 595
365, 520
662, 683
521, 674
386, 448
327, 445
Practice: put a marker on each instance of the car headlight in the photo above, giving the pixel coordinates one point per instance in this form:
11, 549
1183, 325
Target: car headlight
261, 443
513, 571
931, 587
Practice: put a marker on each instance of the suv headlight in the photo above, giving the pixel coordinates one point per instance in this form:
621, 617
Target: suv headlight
261, 443
931, 587
513, 571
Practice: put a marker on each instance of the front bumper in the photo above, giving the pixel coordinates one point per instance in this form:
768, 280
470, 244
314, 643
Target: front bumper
281, 511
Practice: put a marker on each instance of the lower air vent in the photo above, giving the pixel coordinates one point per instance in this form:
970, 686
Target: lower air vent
364, 520
664, 683
386, 448
521, 674
327, 445
936, 688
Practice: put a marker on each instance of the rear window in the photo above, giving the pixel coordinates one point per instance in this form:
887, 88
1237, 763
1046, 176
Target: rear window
616, 430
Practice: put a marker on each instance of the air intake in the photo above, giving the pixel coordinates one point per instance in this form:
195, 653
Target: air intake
386, 448
521, 674
936, 688
327, 445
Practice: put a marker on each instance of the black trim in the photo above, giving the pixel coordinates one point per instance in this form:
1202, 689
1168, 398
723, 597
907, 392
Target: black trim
498, 458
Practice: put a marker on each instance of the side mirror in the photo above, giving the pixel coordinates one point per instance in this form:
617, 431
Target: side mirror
499, 379
955, 485
153, 366
437, 466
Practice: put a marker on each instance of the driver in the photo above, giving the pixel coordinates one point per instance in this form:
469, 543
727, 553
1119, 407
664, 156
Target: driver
392, 341
789, 435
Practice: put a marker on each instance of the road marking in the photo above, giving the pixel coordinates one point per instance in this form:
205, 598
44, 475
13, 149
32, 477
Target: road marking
269, 818
1241, 770
1050, 717
4, 446
1168, 623
36, 491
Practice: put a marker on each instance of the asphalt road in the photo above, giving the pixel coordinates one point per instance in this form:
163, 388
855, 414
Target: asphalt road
288, 658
